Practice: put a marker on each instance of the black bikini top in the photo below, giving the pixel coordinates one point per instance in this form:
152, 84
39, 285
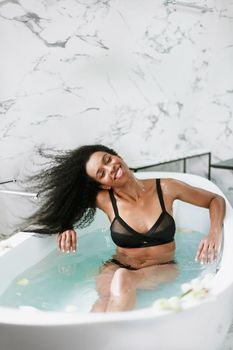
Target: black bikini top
161, 232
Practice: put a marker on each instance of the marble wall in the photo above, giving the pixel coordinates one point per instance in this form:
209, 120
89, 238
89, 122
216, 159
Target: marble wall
149, 78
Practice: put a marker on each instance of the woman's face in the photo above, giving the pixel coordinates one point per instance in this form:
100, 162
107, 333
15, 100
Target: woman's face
107, 169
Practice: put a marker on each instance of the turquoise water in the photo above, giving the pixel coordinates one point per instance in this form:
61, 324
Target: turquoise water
66, 282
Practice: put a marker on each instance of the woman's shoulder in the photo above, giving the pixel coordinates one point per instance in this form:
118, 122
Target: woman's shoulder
169, 186
169, 182
172, 187
164, 181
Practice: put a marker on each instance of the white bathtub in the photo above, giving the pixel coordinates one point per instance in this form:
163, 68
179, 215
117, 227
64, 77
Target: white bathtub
203, 326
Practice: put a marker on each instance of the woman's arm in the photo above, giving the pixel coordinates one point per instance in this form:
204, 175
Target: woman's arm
202, 198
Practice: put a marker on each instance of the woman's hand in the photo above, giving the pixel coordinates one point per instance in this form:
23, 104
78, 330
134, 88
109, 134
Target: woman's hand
208, 248
66, 241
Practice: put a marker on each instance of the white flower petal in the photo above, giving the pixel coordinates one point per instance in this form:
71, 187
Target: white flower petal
185, 287
23, 282
195, 282
71, 308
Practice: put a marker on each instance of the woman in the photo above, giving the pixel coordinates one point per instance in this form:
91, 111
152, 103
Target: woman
140, 212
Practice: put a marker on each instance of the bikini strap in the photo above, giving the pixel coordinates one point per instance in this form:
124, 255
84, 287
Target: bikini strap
113, 200
160, 194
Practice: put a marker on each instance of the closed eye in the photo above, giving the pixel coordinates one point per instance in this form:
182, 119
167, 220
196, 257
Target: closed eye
107, 158
100, 174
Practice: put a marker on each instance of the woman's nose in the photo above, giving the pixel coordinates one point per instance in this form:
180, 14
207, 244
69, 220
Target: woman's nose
111, 168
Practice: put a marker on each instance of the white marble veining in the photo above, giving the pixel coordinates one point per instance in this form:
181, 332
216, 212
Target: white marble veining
150, 78
143, 77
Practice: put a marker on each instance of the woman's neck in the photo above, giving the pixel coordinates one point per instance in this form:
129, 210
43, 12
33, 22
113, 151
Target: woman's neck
134, 189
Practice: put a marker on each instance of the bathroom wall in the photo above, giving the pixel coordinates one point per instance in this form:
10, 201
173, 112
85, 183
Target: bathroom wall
149, 78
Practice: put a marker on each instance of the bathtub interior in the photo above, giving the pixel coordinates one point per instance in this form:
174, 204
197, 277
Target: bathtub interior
28, 249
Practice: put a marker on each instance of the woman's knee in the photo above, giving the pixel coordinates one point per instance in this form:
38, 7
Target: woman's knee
103, 280
121, 282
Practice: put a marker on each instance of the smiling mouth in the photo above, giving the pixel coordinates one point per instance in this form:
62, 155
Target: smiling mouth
118, 173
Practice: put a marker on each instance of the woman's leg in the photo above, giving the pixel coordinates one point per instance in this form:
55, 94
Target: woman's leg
103, 282
151, 277
125, 282
122, 291
117, 286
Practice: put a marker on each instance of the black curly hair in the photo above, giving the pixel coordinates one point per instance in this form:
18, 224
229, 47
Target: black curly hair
67, 193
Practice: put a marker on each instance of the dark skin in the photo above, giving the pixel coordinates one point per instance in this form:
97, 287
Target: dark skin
138, 205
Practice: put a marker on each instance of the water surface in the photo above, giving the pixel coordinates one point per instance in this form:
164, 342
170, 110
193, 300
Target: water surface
66, 282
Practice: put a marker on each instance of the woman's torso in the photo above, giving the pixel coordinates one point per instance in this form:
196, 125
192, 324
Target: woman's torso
141, 215
142, 257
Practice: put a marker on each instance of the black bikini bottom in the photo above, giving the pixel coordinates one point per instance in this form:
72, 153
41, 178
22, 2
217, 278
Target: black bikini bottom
116, 262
